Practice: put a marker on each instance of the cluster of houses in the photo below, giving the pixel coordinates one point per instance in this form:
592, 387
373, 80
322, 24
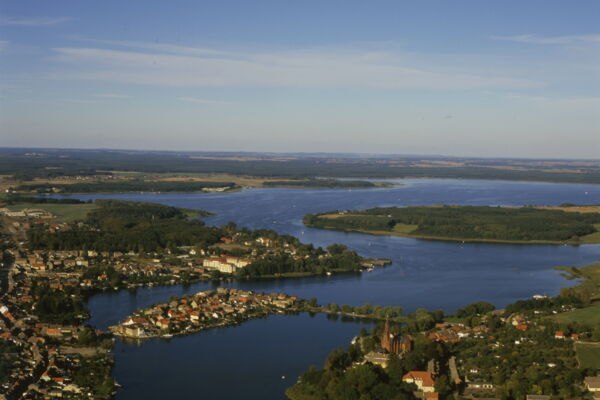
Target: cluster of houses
34, 213
203, 310
453, 332
43, 369
40, 368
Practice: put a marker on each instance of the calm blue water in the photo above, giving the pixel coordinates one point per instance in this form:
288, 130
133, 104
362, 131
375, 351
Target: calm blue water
248, 361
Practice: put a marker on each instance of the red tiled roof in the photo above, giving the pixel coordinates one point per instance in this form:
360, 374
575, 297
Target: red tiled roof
423, 376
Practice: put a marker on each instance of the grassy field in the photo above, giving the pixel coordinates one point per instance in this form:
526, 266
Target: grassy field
588, 315
588, 355
579, 209
590, 283
593, 238
63, 212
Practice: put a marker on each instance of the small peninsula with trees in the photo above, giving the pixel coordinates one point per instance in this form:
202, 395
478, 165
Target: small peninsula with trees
565, 224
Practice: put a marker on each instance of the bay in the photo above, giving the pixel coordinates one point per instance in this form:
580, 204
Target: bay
248, 361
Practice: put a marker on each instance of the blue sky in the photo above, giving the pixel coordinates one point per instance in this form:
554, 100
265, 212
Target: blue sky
477, 78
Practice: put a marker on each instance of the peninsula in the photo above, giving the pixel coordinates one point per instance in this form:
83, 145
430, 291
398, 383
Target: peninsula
555, 225
538, 348
203, 310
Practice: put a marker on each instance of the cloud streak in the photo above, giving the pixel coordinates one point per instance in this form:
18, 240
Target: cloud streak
550, 40
33, 22
177, 66
111, 95
198, 100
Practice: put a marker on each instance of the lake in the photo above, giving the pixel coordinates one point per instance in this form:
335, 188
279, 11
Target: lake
248, 361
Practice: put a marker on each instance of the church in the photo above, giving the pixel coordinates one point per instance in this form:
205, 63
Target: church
394, 343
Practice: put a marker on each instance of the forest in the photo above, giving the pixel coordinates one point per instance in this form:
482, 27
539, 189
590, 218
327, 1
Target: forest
464, 222
128, 226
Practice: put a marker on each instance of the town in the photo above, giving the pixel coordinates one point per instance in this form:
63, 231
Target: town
48, 273
203, 310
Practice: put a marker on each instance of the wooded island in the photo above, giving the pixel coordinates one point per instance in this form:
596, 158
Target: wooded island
565, 224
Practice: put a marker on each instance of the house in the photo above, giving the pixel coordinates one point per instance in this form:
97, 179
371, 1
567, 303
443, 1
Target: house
480, 385
54, 332
227, 264
559, 335
592, 383
265, 241
377, 358
423, 379
522, 327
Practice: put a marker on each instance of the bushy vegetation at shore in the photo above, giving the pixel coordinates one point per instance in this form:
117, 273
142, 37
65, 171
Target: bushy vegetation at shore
464, 222
117, 186
12, 199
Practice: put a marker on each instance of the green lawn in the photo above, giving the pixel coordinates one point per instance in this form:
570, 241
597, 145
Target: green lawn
63, 212
404, 229
588, 315
588, 354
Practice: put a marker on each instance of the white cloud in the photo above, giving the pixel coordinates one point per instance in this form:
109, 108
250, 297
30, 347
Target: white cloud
169, 65
154, 46
551, 40
198, 100
33, 22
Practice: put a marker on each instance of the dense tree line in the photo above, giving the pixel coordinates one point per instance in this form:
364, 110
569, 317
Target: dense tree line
468, 222
314, 261
136, 185
125, 226
322, 183
58, 306
95, 373
19, 199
